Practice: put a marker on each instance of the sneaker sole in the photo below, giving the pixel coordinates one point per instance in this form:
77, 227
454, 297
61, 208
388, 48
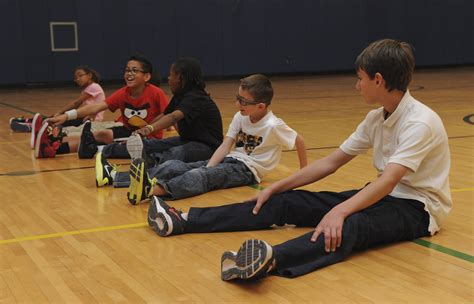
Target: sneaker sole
135, 146
38, 141
20, 127
252, 260
80, 153
33, 130
155, 211
136, 186
153, 215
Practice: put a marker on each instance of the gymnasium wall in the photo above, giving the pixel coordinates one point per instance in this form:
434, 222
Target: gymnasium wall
229, 37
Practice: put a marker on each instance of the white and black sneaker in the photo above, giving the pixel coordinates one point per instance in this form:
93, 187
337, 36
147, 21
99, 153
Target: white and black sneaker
253, 261
165, 220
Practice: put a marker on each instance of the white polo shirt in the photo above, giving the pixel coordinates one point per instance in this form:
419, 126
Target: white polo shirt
414, 137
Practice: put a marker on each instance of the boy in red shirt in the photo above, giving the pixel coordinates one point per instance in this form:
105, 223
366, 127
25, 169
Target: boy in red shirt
139, 102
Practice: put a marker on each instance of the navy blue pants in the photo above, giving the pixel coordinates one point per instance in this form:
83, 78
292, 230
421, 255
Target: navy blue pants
388, 221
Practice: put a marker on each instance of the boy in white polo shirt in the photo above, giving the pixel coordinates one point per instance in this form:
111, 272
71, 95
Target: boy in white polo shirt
258, 135
409, 198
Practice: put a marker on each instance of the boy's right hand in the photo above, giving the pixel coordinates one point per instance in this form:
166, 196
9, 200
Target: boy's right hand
261, 198
57, 120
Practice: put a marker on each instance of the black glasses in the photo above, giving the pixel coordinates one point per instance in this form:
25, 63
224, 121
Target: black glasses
245, 102
133, 71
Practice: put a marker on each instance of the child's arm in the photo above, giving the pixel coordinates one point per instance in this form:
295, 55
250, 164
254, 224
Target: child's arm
221, 152
301, 149
91, 109
317, 170
331, 224
161, 122
74, 104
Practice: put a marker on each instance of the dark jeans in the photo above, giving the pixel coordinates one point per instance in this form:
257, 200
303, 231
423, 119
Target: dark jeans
389, 220
161, 150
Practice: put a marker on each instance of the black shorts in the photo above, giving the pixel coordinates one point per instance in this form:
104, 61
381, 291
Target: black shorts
121, 132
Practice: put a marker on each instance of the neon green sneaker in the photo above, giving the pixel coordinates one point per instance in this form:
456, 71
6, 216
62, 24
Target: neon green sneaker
104, 171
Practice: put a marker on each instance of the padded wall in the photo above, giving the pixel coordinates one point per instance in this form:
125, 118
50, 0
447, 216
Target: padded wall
231, 37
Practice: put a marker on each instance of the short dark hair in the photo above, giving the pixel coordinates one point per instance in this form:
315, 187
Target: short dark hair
190, 72
94, 75
146, 64
393, 59
259, 86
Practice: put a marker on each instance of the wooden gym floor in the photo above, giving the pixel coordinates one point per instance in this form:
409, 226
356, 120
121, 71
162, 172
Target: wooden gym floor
63, 240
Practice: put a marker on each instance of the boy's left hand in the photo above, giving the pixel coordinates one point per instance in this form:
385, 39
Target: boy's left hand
331, 227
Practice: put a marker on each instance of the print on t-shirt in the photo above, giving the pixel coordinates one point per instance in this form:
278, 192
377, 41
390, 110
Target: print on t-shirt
136, 116
249, 142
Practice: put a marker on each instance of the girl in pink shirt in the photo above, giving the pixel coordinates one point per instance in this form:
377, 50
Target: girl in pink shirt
92, 92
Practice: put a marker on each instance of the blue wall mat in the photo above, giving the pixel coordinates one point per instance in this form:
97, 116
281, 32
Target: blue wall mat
198, 32
243, 37
12, 50
91, 40
115, 23
152, 32
231, 37
36, 41
62, 62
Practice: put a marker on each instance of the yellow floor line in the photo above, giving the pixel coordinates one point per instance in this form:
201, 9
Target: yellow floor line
75, 232
110, 228
462, 190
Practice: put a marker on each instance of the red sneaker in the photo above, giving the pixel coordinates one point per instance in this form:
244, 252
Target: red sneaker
47, 141
35, 127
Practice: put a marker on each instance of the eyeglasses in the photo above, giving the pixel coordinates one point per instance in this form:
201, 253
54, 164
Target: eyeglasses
133, 71
245, 102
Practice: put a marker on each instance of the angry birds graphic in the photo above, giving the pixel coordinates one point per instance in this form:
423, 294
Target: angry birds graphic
136, 115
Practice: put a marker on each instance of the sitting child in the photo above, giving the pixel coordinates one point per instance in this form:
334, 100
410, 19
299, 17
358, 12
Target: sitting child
259, 137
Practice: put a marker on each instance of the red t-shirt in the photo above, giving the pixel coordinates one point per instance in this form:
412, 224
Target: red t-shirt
137, 113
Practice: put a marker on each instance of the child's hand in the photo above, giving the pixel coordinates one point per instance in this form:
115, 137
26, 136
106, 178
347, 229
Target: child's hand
142, 132
331, 227
261, 199
57, 120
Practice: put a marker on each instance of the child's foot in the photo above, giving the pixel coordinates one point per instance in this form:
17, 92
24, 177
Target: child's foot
35, 127
165, 220
135, 146
104, 171
253, 261
141, 186
87, 146
47, 141
20, 124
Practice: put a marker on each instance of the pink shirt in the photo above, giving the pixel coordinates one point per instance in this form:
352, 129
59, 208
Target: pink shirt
97, 95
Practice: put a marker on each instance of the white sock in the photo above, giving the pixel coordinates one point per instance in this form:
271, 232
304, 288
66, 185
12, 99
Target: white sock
184, 216
113, 174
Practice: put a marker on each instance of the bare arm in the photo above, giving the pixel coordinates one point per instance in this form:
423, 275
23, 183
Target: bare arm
74, 104
91, 109
331, 224
309, 174
163, 122
221, 152
301, 149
